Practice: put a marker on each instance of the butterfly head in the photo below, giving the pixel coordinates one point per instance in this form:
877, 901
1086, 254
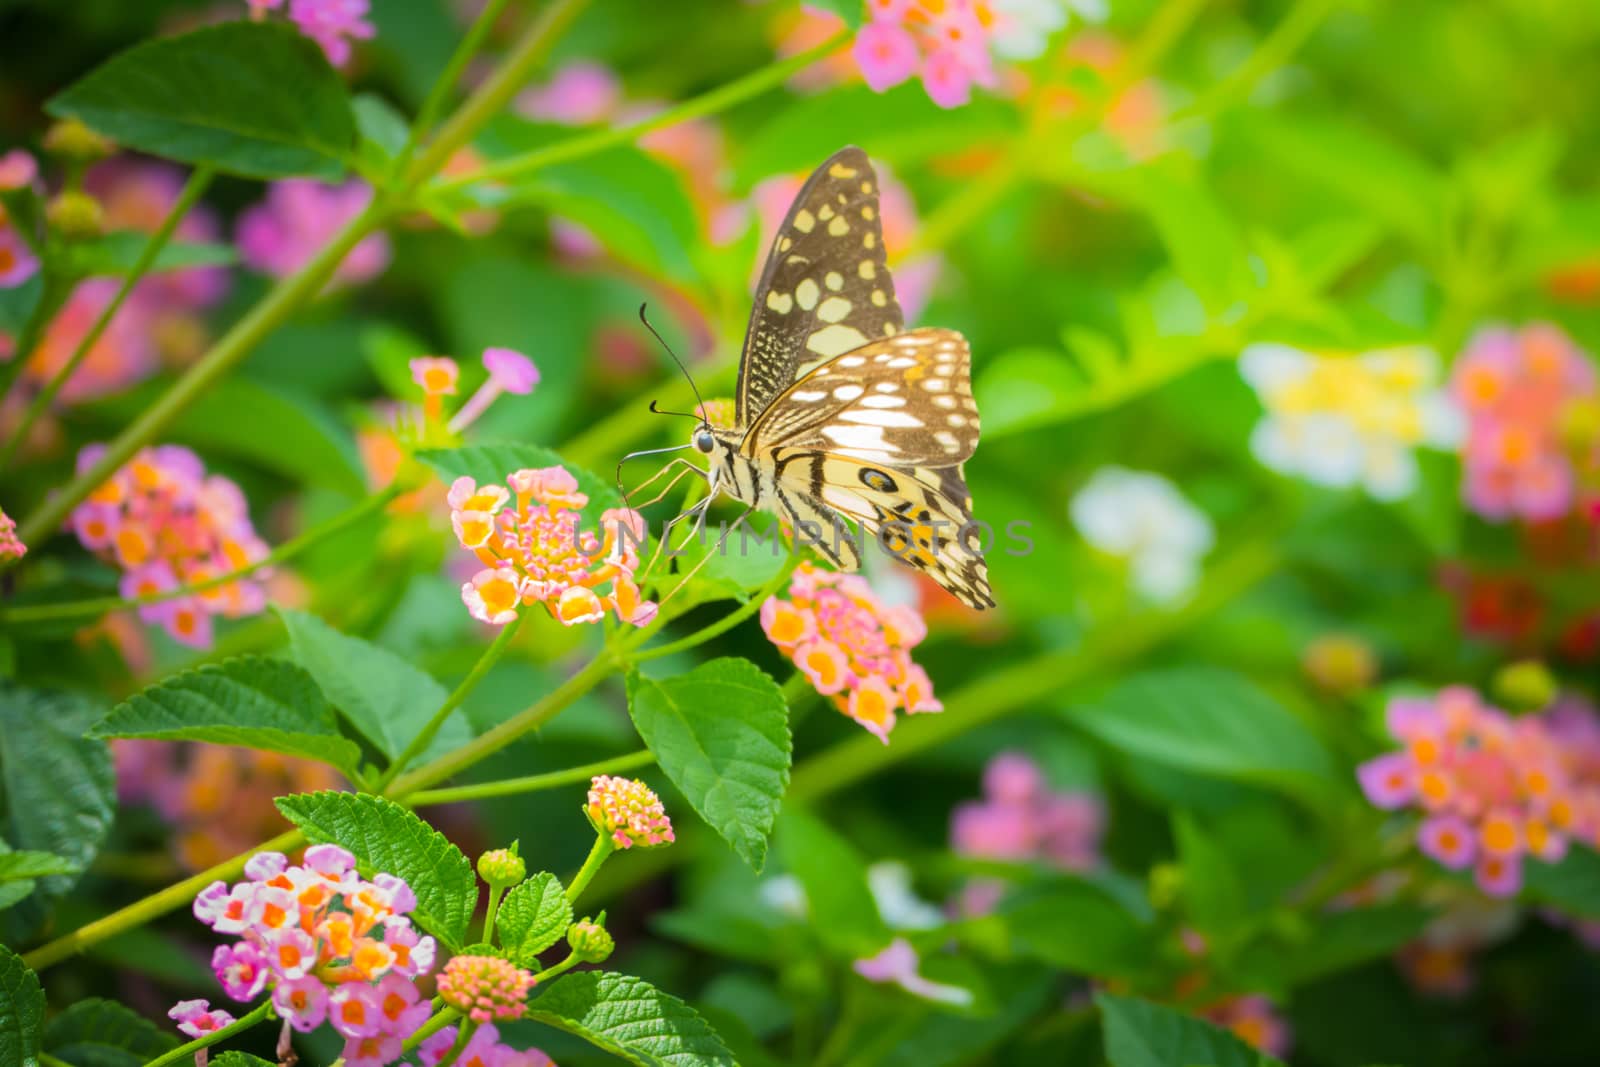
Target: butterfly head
704, 440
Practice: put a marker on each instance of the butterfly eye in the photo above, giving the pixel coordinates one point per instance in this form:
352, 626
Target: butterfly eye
704, 441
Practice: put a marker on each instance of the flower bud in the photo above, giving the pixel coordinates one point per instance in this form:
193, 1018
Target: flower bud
1579, 424
1526, 685
1340, 664
1166, 884
71, 139
76, 215
502, 868
590, 941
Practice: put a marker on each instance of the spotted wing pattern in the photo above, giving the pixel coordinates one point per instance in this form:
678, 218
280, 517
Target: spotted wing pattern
826, 287
904, 400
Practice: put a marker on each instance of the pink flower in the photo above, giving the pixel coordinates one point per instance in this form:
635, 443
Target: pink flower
485, 988
197, 1019
11, 547
1389, 780
1499, 875
434, 1048
354, 1010
298, 217
627, 811
947, 78
330, 861
1448, 839
898, 964
413, 955
435, 375
886, 54
579, 94
402, 1007
17, 261
17, 169
331, 23
264, 866
302, 1001
241, 970
491, 596
509, 372
374, 1050
291, 952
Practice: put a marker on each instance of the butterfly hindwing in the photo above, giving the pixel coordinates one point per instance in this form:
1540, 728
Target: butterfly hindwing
905, 400
826, 287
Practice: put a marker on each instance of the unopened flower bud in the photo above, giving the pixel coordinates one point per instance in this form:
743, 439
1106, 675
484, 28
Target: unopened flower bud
502, 868
1526, 685
1340, 664
1166, 883
590, 941
1579, 424
71, 139
76, 215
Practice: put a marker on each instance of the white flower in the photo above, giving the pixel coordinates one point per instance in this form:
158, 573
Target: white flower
785, 895
1346, 422
1022, 28
897, 902
1143, 519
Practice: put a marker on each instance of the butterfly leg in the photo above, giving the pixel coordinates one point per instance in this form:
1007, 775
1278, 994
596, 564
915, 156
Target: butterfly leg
687, 578
684, 468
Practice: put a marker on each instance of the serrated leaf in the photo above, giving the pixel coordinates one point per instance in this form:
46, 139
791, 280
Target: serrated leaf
489, 464
386, 837
60, 790
533, 916
630, 1018
216, 95
721, 733
1141, 1034
21, 1011
381, 694
235, 1058
830, 869
103, 1033
17, 866
251, 701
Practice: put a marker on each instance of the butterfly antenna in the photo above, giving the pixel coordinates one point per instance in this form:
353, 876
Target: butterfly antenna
698, 400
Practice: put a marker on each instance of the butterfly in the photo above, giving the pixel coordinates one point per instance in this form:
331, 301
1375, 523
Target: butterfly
842, 413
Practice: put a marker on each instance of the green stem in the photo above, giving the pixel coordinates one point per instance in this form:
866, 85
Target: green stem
424, 738
199, 179
709, 103
1292, 31
245, 1022
463, 1035
495, 93
153, 906
486, 744
286, 551
495, 892
441, 1018
440, 92
602, 850
555, 970
532, 783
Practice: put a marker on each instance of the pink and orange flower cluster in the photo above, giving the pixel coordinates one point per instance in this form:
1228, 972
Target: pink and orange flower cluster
533, 551
852, 646
1522, 391
328, 945
167, 525
950, 44
628, 812
483, 1049
1494, 790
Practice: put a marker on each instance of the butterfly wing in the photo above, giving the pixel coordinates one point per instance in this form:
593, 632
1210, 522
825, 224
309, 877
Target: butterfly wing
825, 288
905, 400
922, 515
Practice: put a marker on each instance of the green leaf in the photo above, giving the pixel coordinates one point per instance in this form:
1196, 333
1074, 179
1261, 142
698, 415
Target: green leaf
1076, 925
835, 879
103, 1033
1572, 885
533, 916
21, 1011
1335, 941
292, 435
630, 1018
1141, 1034
1206, 249
489, 464
252, 701
721, 733
852, 11
1212, 885
235, 1058
20, 866
1212, 723
60, 791
116, 253
381, 694
218, 95
386, 837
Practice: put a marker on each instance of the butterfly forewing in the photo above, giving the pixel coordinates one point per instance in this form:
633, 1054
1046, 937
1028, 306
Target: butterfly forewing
904, 400
826, 287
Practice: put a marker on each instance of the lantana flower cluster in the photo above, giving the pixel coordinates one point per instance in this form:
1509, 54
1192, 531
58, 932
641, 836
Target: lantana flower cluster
167, 524
1022, 819
327, 944
1493, 789
11, 546
854, 648
17, 261
534, 552
1145, 520
330, 23
1349, 421
951, 45
298, 218
485, 988
483, 1049
628, 812
1524, 393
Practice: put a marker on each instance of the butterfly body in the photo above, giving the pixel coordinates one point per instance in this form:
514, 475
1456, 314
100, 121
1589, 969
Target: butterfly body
843, 415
